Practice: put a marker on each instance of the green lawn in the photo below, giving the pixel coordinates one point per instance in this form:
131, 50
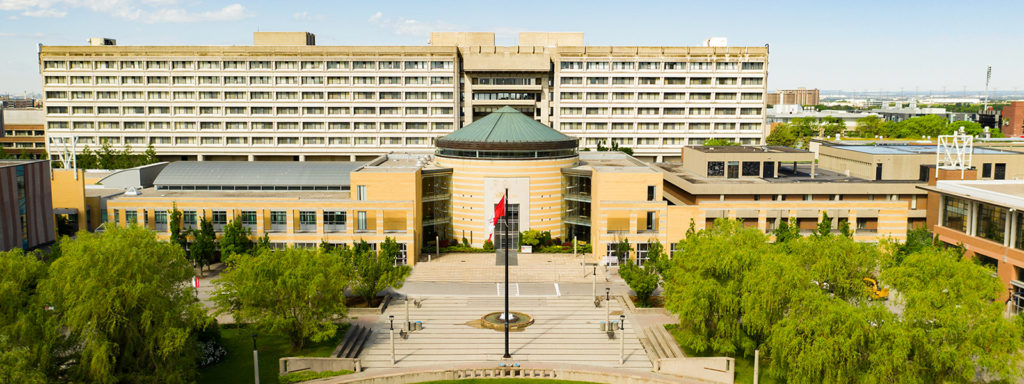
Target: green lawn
237, 366
506, 381
744, 366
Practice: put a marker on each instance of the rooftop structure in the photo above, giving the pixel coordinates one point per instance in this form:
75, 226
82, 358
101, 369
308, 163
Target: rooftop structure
257, 175
22, 131
507, 133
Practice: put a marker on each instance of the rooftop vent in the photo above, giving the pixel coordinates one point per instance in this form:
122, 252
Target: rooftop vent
97, 41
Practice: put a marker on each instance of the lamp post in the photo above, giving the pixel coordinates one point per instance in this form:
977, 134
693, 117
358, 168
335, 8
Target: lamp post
595, 283
607, 305
392, 333
255, 360
408, 322
622, 339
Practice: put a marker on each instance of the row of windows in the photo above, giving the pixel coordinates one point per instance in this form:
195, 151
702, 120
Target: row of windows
651, 111
261, 95
658, 65
592, 142
248, 80
746, 96
244, 140
241, 125
247, 111
629, 126
242, 64
574, 80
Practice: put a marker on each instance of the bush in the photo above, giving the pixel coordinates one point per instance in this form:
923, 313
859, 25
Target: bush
642, 280
488, 246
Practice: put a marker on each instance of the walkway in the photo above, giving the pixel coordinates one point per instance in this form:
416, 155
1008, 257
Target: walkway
566, 330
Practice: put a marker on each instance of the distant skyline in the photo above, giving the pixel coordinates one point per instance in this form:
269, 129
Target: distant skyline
863, 46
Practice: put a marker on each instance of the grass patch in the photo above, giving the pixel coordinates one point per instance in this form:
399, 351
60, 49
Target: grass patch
506, 381
237, 365
296, 377
744, 365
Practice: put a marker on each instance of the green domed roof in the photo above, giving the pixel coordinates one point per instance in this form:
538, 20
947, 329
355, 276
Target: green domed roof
508, 130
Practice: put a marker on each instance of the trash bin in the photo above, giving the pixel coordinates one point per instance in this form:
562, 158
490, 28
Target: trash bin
604, 326
419, 325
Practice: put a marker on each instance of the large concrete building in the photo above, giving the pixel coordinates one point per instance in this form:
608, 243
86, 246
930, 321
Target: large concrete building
596, 197
987, 219
1013, 119
285, 98
799, 96
22, 131
26, 212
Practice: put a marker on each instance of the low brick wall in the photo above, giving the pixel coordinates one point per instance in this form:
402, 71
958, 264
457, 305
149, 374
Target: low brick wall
356, 312
713, 369
288, 365
529, 370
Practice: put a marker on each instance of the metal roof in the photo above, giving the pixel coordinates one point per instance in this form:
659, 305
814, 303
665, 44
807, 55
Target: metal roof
507, 129
257, 173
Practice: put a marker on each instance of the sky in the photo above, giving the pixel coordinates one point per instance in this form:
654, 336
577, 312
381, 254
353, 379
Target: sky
831, 45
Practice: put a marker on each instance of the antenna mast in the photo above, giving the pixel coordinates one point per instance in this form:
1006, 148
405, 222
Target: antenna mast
988, 77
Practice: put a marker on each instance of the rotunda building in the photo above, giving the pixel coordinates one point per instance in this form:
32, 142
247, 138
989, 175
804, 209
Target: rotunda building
506, 150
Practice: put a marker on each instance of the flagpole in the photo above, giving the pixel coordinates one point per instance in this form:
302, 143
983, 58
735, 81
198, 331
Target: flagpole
508, 244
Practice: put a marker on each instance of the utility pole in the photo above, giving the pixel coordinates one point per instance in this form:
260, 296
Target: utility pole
392, 333
608, 306
508, 243
622, 339
255, 360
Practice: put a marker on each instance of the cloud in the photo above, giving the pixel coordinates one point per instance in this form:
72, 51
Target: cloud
305, 16
410, 27
147, 11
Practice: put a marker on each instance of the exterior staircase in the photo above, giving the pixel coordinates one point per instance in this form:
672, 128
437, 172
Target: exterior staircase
659, 344
353, 343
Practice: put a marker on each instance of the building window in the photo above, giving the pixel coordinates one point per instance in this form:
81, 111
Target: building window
160, 221
307, 221
642, 253
361, 221
716, 168
651, 221
402, 257
220, 218
334, 221
954, 214
249, 219
991, 222
131, 217
188, 219
1020, 231
278, 221
361, 192
651, 193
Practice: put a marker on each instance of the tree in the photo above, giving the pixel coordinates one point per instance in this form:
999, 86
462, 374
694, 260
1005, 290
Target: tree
622, 249
119, 297
204, 244
262, 242
150, 155
786, 231
236, 238
782, 135
824, 226
706, 288
374, 272
844, 228
642, 280
530, 237
24, 351
295, 291
869, 126
719, 142
831, 126
174, 225
952, 324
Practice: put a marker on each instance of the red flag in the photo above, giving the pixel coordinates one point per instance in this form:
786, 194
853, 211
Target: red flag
499, 211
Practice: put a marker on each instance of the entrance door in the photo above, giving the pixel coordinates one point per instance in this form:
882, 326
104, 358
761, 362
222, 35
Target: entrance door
733, 170
513, 229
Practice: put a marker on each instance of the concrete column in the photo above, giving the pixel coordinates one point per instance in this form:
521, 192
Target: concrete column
351, 157
260, 228
350, 222
302, 157
252, 157
776, 163
320, 221
290, 222
200, 157
813, 169
380, 222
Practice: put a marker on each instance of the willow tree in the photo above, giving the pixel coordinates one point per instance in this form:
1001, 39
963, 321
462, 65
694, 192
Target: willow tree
121, 297
298, 292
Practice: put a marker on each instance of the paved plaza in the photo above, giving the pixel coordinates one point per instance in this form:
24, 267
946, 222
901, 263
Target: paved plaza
480, 267
566, 330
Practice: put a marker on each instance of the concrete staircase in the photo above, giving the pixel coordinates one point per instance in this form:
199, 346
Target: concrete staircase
354, 342
659, 344
566, 330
